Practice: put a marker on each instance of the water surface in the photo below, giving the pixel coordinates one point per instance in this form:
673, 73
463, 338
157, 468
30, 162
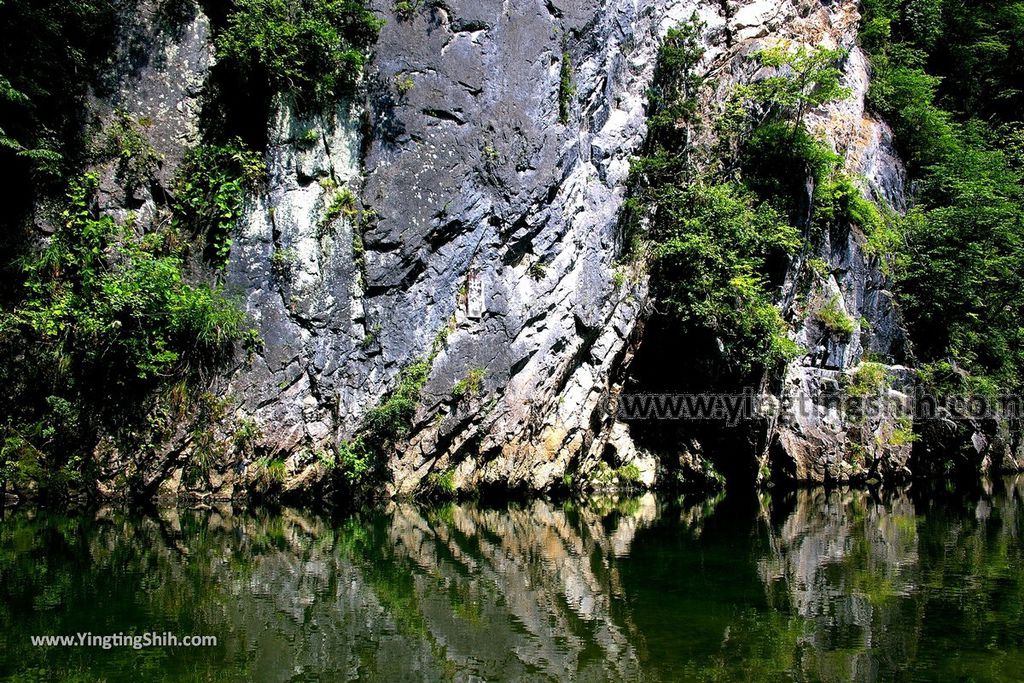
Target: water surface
804, 587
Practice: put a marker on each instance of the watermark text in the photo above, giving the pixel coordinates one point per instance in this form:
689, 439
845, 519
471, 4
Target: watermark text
135, 641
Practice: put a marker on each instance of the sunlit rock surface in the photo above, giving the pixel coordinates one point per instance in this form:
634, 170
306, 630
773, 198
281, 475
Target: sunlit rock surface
487, 231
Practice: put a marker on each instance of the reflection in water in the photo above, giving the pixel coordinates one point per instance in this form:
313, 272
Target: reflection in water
845, 563
813, 586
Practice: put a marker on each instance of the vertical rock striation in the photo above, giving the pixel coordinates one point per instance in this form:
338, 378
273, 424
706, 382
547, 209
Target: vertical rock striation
495, 227
484, 235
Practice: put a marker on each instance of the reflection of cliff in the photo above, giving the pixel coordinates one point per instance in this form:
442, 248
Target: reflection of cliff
449, 594
830, 530
872, 579
534, 585
847, 562
839, 587
531, 592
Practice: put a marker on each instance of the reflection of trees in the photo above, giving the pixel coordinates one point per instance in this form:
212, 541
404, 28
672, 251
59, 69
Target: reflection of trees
889, 594
835, 587
524, 593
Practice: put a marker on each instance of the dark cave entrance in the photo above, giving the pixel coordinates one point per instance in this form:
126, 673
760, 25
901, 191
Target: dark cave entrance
669, 361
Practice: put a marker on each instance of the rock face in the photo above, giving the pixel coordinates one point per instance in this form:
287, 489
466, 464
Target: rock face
821, 440
495, 226
157, 78
484, 237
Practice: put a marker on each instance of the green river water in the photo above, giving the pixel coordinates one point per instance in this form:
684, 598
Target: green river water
808, 586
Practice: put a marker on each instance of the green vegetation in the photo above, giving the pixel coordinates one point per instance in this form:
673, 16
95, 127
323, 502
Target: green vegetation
246, 436
384, 426
629, 473
707, 265
125, 142
207, 446
273, 470
719, 224
404, 84
674, 115
471, 385
867, 380
406, 9
210, 192
354, 460
392, 420
51, 54
719, 234
626, 476
903, 434
819, 267
441, 485
110, 326
566, 88
309, 139
312, 49
767, 117
618, 278
343, 203
277, 470
307, 54
777, 161
282, 264
805, 78
100, 294
833, 319
388, 423
106, 319
946, 75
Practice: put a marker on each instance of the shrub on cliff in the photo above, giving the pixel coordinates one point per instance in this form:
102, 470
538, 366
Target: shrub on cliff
718, 224
712, 246
314, 49
107, 317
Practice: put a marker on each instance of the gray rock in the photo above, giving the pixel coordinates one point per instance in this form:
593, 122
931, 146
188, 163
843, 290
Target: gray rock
488, 224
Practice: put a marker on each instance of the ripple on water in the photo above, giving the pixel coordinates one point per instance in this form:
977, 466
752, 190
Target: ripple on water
836, 586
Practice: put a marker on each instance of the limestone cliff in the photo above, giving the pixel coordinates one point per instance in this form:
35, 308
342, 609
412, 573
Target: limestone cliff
488, 242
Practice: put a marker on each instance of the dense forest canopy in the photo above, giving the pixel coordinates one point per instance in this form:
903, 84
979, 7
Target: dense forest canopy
947, 74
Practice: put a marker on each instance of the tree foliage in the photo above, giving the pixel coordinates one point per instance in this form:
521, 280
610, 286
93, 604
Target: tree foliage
106, 303
796, 79
313, 49
50, 53
677, 86
107, 317
804, 78
947, 75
